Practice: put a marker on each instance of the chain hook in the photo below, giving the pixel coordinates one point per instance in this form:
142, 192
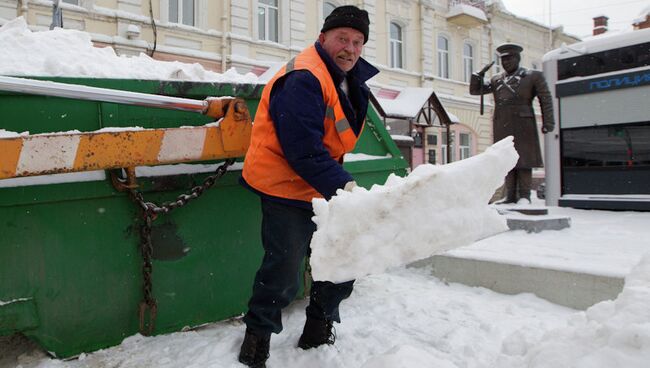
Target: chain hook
148, 307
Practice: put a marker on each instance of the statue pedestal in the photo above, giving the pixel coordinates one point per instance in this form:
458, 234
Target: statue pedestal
532, 219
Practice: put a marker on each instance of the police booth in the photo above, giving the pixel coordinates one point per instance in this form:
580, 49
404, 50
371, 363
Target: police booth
599, 158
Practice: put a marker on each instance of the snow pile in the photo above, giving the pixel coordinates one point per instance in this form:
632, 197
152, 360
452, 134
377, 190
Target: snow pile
70, 53
435, 208
609, 334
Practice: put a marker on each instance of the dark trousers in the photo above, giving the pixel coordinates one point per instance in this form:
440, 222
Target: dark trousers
518, 183
286, 235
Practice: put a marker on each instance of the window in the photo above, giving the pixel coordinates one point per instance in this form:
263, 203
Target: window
267, 20
614, 59
432, 156
448, 146
497, 63
468, 62
395, 46
464, 146
182, 11
417, 139
432, 139
327, 9
443, 57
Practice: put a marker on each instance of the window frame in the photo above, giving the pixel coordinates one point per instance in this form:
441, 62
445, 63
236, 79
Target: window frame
180, 14
266, 33
396, 45
322, 9
432, 156
444, 69
468, 61
464, 151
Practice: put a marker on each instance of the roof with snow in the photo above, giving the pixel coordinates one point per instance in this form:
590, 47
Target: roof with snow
602, 42
407, 102
645, 13
460, 9
404, 103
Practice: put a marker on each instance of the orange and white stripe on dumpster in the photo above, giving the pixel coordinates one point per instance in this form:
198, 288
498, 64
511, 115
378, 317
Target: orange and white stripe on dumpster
73, 152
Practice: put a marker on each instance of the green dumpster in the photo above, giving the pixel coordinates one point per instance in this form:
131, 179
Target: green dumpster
70, 264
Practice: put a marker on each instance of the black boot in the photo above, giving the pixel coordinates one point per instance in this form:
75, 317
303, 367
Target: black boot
255, 349
316, 333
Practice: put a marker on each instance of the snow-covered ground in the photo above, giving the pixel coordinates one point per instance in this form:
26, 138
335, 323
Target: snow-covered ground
407, 318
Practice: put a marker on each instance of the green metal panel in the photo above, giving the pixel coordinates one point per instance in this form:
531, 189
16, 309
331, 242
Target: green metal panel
69, 254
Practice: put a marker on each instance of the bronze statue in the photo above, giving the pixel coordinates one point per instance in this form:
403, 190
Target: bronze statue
514, 90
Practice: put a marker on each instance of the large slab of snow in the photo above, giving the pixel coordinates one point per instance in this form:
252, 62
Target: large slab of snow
368, 231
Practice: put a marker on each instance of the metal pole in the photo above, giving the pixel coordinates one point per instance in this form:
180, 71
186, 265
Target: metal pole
550, 27
57, 15
448, 143
46, 88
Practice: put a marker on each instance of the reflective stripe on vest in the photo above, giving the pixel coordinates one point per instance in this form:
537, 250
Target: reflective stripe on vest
265, 167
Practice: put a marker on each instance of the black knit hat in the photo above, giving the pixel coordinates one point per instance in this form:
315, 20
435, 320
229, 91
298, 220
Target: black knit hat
348, 16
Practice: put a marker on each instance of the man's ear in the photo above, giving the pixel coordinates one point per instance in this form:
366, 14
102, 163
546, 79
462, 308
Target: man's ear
321, 37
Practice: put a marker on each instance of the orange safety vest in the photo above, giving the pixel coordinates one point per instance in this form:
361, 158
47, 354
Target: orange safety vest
265, 167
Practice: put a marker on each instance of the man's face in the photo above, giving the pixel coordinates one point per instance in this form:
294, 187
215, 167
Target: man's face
344, 45
510, 62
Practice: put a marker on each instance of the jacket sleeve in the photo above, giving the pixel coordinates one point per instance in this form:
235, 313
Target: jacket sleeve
475, 83
298, 112
545, 101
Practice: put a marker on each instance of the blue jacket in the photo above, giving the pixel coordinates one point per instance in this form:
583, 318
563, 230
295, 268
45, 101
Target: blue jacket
298, 111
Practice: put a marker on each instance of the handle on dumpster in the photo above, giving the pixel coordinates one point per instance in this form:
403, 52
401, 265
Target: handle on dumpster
47, 88
53, 153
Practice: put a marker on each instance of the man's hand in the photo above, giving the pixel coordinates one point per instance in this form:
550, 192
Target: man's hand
350, 185
482, 72
546, 129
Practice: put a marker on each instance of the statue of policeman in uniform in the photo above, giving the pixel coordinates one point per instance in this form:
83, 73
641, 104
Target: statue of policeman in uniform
514, 90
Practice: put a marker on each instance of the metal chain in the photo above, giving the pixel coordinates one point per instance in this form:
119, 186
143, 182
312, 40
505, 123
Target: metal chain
150, 211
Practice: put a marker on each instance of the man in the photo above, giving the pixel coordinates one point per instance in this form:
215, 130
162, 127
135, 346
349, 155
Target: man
513, 91
311, 113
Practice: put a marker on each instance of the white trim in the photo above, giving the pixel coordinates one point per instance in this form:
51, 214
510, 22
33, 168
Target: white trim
164, 10
56, 152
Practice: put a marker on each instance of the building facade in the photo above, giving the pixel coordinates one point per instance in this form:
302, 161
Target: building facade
414, 43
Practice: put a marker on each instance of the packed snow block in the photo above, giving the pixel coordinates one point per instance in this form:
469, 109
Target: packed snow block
434, 209
536, 224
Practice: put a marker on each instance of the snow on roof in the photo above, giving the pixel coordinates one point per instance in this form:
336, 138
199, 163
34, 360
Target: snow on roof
645, 13
467, 9
400, 137
71, 53
606, 41
454, 119
408, 102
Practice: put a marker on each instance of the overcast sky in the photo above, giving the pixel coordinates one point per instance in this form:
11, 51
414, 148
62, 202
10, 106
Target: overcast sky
576, 15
